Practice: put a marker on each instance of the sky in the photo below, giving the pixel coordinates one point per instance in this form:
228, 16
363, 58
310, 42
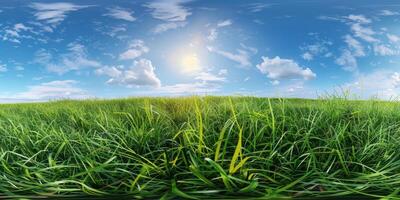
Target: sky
114, 49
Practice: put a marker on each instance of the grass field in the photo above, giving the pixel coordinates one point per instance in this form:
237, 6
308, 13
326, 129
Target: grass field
201, 147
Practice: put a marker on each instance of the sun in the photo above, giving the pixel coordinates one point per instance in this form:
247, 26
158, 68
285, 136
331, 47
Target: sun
186, 57
189, 63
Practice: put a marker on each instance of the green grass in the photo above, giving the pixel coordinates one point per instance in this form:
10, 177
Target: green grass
201, 147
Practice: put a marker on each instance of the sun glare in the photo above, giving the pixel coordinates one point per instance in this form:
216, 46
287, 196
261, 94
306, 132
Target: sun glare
190, 63
186, 60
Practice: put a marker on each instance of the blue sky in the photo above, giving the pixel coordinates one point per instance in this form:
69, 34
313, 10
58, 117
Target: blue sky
111, 49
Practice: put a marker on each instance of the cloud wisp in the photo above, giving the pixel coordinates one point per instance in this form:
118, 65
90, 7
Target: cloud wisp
74, 60
242, 57
136, 49
54, 13
172, 12
60, 89
121, 13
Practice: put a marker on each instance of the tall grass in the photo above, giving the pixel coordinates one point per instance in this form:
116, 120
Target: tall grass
201, 147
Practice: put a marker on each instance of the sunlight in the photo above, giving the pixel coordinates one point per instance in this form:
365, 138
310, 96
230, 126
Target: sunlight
187, 58
190, 63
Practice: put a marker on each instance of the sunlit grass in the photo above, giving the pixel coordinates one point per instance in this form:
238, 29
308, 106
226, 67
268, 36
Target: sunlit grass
201, 147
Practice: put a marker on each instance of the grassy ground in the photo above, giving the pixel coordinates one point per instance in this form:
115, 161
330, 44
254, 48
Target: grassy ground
211, 147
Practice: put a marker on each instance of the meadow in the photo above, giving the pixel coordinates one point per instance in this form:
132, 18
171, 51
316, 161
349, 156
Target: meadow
201, 147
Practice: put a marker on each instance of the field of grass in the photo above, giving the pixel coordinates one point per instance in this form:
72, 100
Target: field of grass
201, 147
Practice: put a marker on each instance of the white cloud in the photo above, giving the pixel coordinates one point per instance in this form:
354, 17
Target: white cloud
359, 19
169, 10
278, 68
53, 90
348, 57
383, 50
74, 60
396, 79
173, 12
363, 37
121, 13
368, 35
141, 73
330, 18
130, 54
11, 36
110, 71
307, 56
365, 33
360, 29
354, 45
347, 60
21, 27
43, 26
358, 25
136, 49
393, 38
388, 13
15, 33
3, 68
115, 30
54, 13
205, 82
223, 72
209, 77
11, 33
257, 7
275, 82
383, 84
213, 34
242, 57
319, 47
168, 26
43, 57
227, 22
249, 48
